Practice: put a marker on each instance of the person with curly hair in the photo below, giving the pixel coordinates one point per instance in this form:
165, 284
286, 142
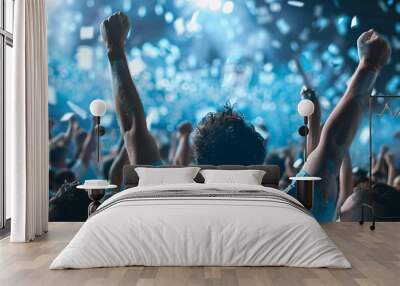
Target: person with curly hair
225, 138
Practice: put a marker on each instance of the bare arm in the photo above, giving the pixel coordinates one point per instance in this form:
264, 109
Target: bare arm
345, 181
88, 146
379, 164
341, 126
141, 146
57, 140
172, 149
183, 152
117, 166
64, 138
389, 159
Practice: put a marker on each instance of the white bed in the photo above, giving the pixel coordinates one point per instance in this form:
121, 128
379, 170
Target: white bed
138, 227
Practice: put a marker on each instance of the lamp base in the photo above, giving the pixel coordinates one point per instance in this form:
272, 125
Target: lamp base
95, 196
305, 193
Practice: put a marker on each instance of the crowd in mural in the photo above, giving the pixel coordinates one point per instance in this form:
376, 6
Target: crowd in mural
72, 160
227, 135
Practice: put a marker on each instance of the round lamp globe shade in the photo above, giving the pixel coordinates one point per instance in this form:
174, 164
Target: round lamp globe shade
305, 107
98, 107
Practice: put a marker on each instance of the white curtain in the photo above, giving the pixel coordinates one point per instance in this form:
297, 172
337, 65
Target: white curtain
27, 124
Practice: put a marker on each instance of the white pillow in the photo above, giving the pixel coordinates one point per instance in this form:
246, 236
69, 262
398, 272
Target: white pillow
248, 177
166, 176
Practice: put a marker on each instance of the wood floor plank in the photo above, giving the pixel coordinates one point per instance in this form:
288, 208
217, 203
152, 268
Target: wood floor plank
375, 257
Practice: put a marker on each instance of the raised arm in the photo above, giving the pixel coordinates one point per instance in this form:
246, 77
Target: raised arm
81, 163
140, 145
379, 164
89, 146
390, 162
340, 128
183, 152
172, 149
64, 138
116, 170
345, 181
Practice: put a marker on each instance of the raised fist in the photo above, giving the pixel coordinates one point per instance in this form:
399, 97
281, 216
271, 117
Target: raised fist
185, 128
373, 49
114, 30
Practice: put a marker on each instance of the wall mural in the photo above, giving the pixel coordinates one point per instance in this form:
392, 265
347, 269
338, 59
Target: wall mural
219, 82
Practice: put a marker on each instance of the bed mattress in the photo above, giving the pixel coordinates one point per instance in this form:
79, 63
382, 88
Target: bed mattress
201, 225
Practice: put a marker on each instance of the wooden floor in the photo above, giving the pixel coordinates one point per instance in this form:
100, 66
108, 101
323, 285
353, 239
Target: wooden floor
375, 257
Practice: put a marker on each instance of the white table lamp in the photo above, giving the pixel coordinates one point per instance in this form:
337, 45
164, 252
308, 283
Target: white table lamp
98, 108
305, 108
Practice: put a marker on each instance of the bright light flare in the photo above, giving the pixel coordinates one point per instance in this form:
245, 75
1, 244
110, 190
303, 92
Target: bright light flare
228, 7
202, 3
215, 5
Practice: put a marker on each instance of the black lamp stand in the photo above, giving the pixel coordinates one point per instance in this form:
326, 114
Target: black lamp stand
303, 131
100, 131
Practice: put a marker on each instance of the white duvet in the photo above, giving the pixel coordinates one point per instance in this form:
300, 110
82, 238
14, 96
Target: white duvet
200, 231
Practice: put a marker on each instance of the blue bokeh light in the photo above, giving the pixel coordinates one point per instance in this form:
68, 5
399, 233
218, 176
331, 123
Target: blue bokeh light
191, 57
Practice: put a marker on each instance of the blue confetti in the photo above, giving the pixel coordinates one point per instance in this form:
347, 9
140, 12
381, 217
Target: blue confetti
336, 2
142, 11
337, 63
127, 5
393, 85
169, 17
333, 49
107, 11
395, 43
305, 61
397, 27
353, 54
158, 9
90, 3
294, 46
342, 24
283, 26
321, 23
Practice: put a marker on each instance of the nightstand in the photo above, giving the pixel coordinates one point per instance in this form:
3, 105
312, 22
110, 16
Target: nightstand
305, 190
95, 194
